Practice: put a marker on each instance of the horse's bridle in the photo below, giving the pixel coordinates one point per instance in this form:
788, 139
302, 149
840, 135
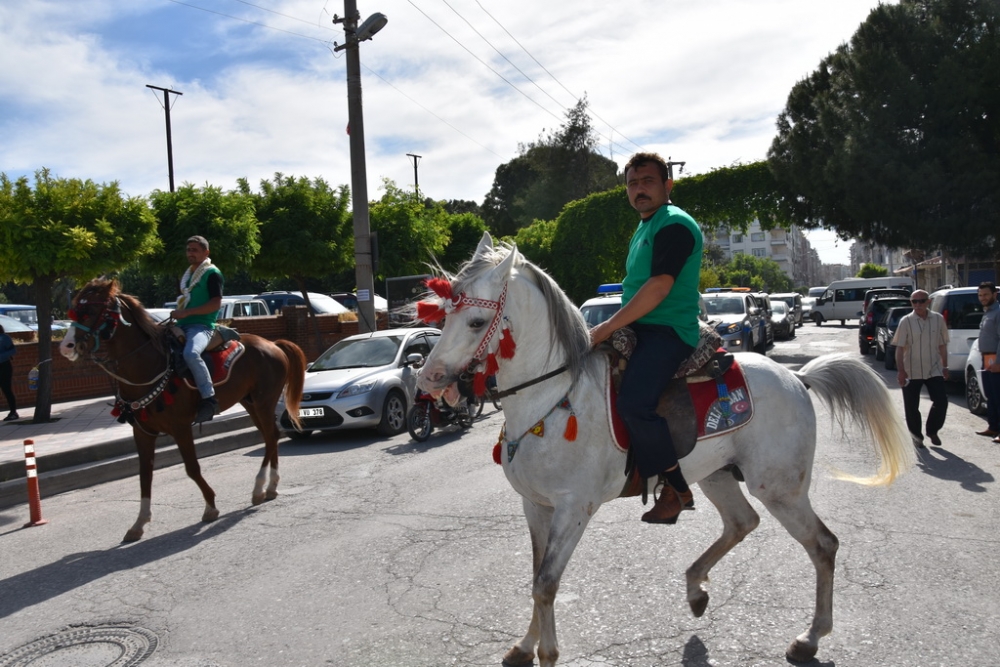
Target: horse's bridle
104, 325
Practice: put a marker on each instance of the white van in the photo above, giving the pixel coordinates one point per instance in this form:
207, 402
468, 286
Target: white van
844, 299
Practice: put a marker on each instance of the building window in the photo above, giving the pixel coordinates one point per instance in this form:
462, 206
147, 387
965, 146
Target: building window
760, 252
737, 252
756, 236
737, 238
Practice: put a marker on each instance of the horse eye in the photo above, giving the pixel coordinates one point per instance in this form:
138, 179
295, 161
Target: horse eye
477, 323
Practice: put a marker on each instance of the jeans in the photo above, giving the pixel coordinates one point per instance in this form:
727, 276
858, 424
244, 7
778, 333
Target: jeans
939, 405
658, 354
198, 337
991, 389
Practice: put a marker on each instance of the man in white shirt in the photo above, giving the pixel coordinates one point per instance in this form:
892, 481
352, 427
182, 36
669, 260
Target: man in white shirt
922, 359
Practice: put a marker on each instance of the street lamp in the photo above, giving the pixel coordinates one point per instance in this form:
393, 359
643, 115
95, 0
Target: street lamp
363, 274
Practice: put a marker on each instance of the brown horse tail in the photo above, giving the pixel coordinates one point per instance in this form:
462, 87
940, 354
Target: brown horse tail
296, 378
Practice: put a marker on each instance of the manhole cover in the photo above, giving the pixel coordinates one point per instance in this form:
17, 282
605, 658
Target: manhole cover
105, 646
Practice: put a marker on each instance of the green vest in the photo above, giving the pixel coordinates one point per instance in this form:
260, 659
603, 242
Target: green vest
199, 297
681, 308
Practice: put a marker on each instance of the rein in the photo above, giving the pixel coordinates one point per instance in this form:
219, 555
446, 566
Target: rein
524, 385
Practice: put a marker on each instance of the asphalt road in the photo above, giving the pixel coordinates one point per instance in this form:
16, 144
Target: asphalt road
387, 552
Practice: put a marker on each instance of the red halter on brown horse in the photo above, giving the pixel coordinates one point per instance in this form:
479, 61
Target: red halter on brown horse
116, 332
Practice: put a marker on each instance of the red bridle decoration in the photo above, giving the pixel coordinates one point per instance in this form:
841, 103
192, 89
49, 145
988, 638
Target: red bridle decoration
432, 313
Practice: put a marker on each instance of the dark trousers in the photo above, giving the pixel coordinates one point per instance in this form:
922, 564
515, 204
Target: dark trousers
939, 405
658, 354
6, 375
991, 389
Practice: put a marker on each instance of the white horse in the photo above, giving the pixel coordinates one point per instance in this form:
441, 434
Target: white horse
499, 294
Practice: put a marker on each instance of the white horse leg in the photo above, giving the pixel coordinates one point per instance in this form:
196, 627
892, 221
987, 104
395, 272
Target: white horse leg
569, 520
145, 516
539, 523
272, 485
797, 516
738, 520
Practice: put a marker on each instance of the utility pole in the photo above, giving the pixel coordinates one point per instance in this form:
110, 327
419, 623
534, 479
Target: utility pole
363, 274
416, 183
170, 147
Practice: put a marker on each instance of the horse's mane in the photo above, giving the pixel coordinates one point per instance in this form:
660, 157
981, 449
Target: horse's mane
567, 328
109, 289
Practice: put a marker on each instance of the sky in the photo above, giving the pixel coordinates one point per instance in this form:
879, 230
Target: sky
462, 83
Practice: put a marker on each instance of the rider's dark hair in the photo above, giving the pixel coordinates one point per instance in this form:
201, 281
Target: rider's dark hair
642, 159
988, 284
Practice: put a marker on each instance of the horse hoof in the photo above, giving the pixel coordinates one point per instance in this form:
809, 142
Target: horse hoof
800, 651
132, 535
518, 658
271, 495
257, 499
699, 604
210, 515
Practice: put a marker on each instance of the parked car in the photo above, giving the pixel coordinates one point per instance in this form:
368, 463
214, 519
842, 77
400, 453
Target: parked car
363, 381
782, 320
844, 299
13, 325
609, 301
885, 329
159, 314
807, 307
873, 313
27, 315
764, 303
975, 397
236, 306
882, 292
737, 318
794, 301
321, 303
349, 300
962, 313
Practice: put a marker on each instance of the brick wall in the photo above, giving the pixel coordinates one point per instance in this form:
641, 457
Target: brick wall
73, 381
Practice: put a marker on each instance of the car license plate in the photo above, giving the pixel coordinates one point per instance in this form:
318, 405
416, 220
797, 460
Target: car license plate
310, 412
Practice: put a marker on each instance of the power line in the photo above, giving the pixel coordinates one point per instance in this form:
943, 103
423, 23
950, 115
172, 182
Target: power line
262, 25
554, 78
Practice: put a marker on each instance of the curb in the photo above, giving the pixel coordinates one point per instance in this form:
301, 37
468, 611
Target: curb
117, 459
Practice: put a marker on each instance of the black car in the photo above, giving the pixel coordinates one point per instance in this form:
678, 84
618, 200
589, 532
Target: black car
885, 329
873, 312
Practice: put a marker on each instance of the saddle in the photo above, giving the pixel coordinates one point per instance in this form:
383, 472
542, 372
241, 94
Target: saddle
222, 353
707, 396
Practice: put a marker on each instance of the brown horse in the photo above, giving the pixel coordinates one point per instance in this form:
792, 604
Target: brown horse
116, 332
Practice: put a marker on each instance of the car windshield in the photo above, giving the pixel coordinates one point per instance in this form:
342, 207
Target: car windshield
28, 316
779, 308
594, 315
359, 353
322, 303
726, 305
11, 325
896, 314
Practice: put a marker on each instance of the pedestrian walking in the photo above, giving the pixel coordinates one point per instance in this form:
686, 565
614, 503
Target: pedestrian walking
989, 342
922, 359
7, 352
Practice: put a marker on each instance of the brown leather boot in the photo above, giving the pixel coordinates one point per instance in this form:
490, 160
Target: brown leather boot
669, 506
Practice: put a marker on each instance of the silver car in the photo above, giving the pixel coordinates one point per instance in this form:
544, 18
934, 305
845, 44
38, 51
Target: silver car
363, 381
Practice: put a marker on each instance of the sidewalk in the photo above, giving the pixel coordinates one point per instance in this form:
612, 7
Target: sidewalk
84, 445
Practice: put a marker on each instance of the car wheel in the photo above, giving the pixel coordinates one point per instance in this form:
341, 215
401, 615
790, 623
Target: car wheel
418, 421
791, 332
890, 359
298, 435
974, 394
818, 319
865, 347
393, 414
879, 352
843, 322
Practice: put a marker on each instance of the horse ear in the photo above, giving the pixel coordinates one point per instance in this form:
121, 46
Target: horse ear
505, 267
485, 245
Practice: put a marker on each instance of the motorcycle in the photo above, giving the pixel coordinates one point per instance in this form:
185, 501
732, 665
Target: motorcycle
427, 413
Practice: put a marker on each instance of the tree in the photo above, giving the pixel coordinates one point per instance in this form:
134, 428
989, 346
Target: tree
226, 219
869, 270
305, 229
893, 139
411, 233
760, 273
464, 232
66, 228
558, 168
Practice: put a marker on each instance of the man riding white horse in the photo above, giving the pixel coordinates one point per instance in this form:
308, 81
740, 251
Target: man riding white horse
660, 303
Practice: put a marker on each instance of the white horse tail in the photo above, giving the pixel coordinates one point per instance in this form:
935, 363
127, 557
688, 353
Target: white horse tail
850, 388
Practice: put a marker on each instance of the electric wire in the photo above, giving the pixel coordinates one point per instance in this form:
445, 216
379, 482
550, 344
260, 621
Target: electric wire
554, 77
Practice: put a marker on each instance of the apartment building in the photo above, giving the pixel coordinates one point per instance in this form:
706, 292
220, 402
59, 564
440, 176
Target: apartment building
789, 248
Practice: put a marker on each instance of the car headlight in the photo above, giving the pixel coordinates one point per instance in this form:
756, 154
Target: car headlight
355, 389
735, 327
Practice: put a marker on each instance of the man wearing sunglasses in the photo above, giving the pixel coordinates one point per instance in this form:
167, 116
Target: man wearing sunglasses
922, 359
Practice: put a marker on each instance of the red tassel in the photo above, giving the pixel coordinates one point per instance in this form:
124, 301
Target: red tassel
144, 414
429, 312
570, 432
479, 384
116, 411
507, 344
496, 454
168, 398
440, 286
492, 366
